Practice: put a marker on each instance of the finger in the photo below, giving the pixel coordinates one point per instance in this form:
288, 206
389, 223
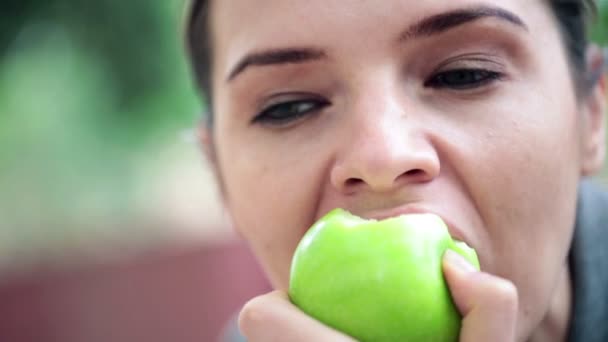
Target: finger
487, 303
272, 317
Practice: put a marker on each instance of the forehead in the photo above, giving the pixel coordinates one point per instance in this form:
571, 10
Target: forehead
289, 17
241, 26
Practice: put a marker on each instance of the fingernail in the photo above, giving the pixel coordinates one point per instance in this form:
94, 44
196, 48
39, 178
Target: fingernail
458, 261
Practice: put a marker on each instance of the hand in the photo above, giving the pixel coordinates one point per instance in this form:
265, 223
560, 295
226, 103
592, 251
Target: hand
487, 303
272, 317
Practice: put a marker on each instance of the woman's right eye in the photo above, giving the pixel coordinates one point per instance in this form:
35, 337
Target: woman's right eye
284, 113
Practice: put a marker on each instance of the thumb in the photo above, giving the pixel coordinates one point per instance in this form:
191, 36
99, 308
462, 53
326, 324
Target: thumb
487, 303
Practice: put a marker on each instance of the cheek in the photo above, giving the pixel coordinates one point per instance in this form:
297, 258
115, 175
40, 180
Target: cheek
271, 196
526, 171
526, 178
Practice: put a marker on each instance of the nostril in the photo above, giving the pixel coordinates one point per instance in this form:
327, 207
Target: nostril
353, 182
414, 173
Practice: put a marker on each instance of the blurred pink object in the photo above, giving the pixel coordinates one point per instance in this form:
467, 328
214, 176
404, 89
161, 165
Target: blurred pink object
163, 296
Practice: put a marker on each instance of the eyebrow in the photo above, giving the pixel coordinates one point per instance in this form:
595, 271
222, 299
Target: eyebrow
430, 26
277, 57
445, 21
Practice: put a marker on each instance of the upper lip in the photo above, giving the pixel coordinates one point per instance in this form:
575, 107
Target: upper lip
453, 229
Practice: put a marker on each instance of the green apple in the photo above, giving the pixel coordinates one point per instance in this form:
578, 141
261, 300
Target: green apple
378, 280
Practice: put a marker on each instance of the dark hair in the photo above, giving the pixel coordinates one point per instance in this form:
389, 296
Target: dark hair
573, 18
198, 43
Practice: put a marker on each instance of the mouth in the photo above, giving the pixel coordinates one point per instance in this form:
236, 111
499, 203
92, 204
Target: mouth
455, 232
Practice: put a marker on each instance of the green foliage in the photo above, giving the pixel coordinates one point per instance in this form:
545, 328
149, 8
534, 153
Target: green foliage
86, 89
599, 31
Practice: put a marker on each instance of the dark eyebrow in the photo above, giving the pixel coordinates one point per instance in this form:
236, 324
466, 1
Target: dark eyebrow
277, 57
442, 22
430, 26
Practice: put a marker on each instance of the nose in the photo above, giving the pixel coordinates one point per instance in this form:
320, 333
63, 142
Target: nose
386, 149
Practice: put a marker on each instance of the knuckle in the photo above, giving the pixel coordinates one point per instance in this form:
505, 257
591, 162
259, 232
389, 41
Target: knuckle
251, 315
504, 293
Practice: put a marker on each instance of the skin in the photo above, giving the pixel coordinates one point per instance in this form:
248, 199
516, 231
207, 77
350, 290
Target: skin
499, 161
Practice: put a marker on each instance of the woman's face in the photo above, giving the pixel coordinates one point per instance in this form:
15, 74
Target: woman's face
461, 108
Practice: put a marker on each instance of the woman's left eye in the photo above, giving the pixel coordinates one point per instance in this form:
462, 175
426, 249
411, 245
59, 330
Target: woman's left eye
462, 79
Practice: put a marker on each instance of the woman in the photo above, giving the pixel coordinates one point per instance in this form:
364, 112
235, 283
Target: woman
488, 113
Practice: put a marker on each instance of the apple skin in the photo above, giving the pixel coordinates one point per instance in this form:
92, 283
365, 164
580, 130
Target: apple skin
378, 280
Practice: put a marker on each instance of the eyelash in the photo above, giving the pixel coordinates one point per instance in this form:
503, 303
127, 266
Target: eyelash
477, 78
273, 116
473, 79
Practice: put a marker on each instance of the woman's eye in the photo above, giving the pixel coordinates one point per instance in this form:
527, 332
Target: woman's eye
462, 79
287, 112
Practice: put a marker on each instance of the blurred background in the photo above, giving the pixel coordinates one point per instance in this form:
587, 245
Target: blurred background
110, 225
96, 144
